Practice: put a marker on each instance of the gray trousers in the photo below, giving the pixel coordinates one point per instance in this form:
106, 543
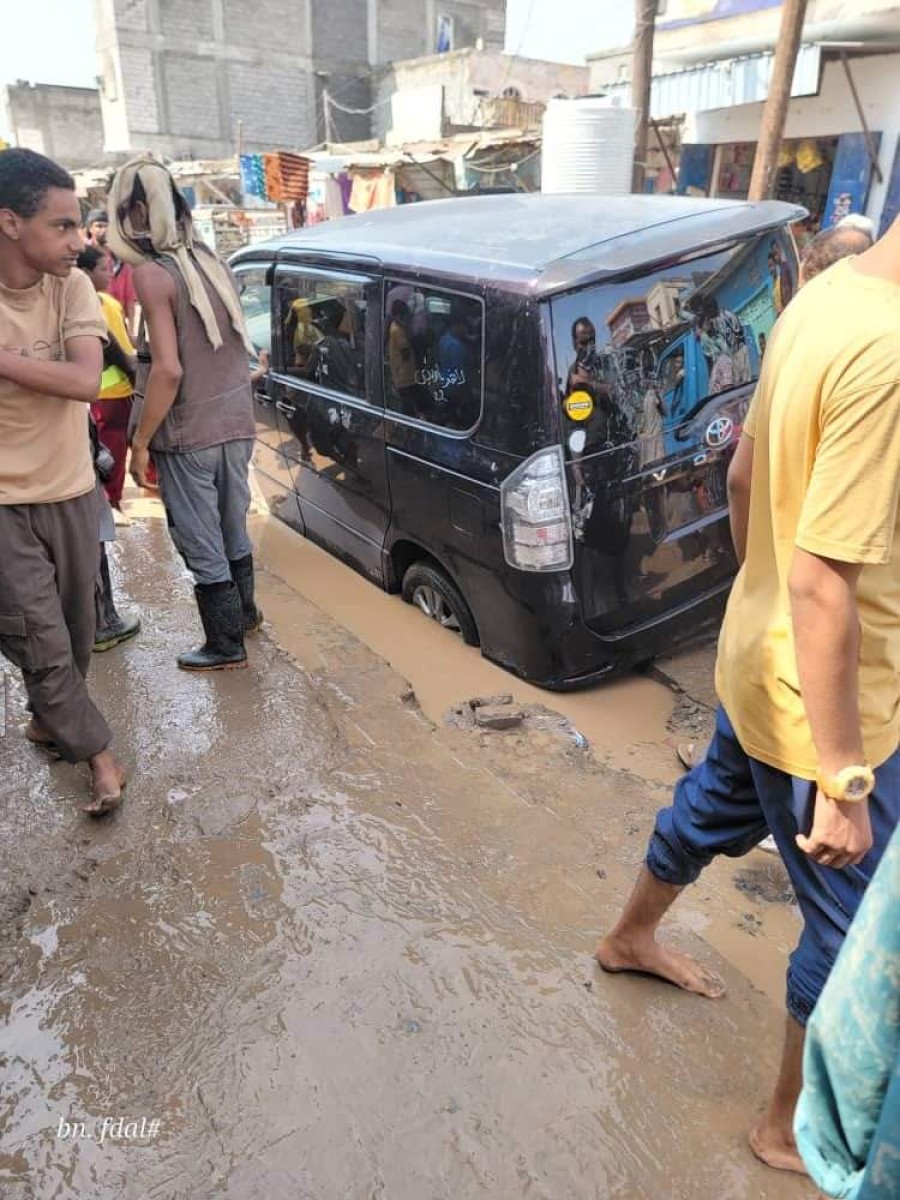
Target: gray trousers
49, 558
206, 494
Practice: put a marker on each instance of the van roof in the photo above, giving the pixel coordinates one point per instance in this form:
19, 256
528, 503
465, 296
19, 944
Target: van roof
537, 243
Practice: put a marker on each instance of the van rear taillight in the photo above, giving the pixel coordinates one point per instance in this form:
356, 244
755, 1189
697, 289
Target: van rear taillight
534, 514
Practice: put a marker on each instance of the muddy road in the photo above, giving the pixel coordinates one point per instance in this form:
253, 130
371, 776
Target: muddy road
334, 948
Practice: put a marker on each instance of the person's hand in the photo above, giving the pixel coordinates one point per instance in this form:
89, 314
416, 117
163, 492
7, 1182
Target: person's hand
841, 834
263, 362
579, 378
140, 466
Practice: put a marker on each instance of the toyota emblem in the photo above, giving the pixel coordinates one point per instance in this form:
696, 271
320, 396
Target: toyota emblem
719, 431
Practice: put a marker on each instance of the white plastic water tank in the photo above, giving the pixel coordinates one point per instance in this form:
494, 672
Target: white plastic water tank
588, 146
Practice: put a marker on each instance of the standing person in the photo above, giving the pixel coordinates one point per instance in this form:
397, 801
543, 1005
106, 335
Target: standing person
121, 277
113, 409
111, 628
195, 403
808, 670
829, 246
51, 334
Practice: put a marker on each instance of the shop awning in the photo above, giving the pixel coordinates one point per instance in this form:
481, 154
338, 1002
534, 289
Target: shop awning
725, 83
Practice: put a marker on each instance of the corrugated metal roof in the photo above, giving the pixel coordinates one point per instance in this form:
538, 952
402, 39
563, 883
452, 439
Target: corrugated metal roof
724, 84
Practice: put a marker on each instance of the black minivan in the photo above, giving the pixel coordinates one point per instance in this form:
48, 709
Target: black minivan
519, 410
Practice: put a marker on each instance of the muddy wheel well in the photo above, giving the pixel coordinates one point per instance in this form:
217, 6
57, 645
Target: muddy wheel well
403, 555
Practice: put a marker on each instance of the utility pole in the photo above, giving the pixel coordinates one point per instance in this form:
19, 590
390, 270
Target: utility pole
762, 181
641, 78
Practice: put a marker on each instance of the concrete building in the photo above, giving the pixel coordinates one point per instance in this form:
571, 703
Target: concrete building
712, 68
195, 78
65, 123
431, 97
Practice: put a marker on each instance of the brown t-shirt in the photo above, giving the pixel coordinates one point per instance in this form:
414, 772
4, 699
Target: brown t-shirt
45, 452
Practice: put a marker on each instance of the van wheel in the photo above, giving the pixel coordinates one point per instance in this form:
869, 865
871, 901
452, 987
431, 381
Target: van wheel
439, 598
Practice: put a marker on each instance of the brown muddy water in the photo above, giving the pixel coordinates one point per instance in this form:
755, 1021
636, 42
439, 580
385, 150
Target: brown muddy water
339, 950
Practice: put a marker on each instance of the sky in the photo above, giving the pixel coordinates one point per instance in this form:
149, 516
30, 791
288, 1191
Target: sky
567, 30
50, 41
53, 40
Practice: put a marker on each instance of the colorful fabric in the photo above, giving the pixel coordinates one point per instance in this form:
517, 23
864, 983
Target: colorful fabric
253, 176
848, 1118
373, 191
286, 177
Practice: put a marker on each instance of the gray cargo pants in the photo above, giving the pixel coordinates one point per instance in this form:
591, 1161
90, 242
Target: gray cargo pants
206, 494
49, 558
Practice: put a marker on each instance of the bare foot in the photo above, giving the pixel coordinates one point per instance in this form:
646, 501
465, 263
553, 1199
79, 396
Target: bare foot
776, 1149
107, 785
648, 957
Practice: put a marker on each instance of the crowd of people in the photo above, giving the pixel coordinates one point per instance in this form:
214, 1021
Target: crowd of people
805, 746
76, 398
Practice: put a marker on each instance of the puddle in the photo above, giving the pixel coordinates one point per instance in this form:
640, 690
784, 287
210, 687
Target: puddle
335, 955
616, 717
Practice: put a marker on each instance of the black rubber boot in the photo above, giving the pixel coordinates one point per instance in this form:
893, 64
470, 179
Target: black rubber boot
242, 574
111, 628
220, 612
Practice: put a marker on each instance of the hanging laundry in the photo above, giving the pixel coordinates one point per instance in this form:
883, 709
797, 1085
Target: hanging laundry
373, 191
334, 201
287, 176
253, 176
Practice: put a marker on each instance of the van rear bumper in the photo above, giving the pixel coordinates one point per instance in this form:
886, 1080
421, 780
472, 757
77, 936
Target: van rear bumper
540, 635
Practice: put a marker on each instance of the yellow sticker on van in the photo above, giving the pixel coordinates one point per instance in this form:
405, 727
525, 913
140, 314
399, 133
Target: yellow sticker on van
579, 406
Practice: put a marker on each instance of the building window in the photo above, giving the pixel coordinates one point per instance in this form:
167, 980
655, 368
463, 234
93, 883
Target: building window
511, 93
434, 349
322, 331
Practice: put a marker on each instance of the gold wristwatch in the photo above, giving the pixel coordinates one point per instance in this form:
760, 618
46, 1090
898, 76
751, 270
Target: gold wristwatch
850, 786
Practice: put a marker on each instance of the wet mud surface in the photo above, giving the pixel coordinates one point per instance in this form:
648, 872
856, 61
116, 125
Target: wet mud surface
338, 948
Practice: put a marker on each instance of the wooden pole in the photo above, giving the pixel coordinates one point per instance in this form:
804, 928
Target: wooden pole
762, 181
641, 79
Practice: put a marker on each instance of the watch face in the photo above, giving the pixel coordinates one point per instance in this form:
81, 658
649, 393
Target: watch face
857, 787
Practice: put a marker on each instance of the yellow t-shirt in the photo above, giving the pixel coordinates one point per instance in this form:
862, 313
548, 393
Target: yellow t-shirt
114, 383
45, 451
826, 478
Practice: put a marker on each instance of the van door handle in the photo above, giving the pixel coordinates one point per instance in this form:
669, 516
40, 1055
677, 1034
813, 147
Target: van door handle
262, 398
288, 409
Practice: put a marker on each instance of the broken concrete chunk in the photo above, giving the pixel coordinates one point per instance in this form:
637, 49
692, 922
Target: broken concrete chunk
498, 717
490, 701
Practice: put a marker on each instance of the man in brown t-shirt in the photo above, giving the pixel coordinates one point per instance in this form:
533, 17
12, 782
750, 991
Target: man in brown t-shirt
51, 357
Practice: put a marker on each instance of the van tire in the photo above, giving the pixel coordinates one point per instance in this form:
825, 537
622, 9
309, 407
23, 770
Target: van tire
438, 597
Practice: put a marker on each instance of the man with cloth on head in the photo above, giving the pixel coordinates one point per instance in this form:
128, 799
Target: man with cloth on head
193, 402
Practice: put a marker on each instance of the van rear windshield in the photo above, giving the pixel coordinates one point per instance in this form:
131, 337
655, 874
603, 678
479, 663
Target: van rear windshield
636, 361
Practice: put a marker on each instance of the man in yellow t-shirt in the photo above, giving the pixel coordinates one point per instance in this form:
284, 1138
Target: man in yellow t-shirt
808, 670
51, 354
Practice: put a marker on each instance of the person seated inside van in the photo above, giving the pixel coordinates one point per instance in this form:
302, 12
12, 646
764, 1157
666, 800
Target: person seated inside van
301, 335
334, 361
414, 398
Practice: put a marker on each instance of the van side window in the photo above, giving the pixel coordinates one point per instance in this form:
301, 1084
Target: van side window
322, 332
256, 301
434, 348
